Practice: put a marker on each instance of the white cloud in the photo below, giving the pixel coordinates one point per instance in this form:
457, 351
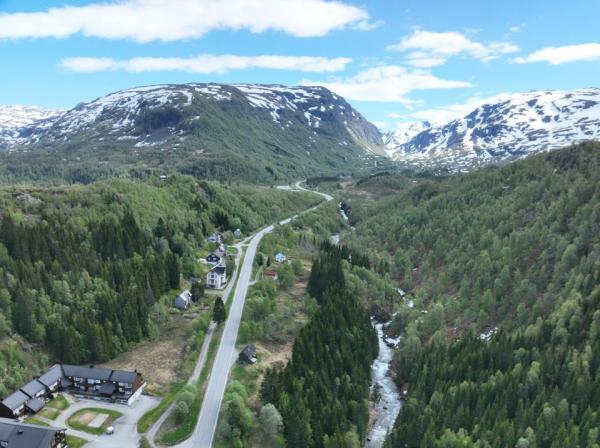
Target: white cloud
515, 29
207, 63
561, 55
444, 114
388, 83
429, 49
171, 20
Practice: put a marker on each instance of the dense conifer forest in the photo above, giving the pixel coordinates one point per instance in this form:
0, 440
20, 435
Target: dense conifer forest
501, 343
85, 271
323, 392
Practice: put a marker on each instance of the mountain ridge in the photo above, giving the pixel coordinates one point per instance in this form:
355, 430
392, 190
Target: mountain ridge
263, 131
509, 127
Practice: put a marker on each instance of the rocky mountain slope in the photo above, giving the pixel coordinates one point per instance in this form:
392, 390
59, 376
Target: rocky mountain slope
209, 129
506, 128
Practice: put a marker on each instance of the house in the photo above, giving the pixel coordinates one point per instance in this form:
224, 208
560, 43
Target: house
216, 278
14, 434
280, 257
215, 238
270, 274
13, 406
401, 292
100, 383
183, 300
164, 177
237, 233
216, 257
248, 355
87, 382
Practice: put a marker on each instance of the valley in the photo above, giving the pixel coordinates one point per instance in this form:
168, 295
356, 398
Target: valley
480, 272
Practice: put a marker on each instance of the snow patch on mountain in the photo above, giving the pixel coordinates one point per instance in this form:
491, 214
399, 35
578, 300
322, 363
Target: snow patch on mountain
15, 118
506, 127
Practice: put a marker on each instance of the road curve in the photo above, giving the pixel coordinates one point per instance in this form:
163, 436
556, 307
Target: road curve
209, 413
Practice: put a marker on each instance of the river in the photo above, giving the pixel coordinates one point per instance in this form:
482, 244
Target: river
389, 404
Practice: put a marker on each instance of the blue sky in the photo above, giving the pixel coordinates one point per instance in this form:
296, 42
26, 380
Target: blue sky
395, 61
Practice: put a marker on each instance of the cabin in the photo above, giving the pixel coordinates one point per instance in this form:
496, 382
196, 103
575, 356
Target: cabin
216, 278
183, 300
14, 406
248, 355
215, 257
215, 238
270, 274
280, 257
14, 434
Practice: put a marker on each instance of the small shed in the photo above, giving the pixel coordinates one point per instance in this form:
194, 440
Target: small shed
280, 257
237, 233
183, 300
248, 355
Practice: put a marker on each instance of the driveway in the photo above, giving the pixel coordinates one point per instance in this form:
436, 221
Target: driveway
125, 435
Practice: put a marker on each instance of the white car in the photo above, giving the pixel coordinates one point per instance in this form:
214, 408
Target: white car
110, 430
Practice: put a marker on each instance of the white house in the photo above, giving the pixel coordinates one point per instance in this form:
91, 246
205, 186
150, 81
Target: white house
280, 257
237, 233
216, 278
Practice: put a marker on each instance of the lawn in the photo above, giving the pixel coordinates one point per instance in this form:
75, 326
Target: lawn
49, 413
35, 421
87, 419
75, 442
59, 402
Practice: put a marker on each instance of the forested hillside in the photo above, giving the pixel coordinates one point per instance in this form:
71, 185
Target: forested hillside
84, 269
322, 394
512, 251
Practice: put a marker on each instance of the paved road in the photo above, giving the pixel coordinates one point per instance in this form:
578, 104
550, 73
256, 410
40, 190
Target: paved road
209, 413
151, 434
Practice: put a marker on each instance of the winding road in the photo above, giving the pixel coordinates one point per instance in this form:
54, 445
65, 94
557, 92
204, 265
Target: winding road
226, 355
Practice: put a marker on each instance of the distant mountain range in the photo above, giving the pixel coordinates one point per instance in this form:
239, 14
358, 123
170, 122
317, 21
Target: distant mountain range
16, 120
508, 127
263, 131
268, 132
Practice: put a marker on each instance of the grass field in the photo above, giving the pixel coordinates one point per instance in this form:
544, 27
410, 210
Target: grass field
159, 359
82, 419
59, 402
75, 442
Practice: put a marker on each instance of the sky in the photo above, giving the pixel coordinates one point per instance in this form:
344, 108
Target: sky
396, 61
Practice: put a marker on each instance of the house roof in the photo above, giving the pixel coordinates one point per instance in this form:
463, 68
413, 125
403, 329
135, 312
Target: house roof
92, 373
249, 351
15, 400
22, 435
35, 404
107, 389
51, 376
121, 376
219, 269
33, 387
185, 295
270, 273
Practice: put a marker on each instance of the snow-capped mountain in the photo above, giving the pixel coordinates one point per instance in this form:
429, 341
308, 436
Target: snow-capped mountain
151, 115
217, 130
14, 119
507, 127
402, 134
